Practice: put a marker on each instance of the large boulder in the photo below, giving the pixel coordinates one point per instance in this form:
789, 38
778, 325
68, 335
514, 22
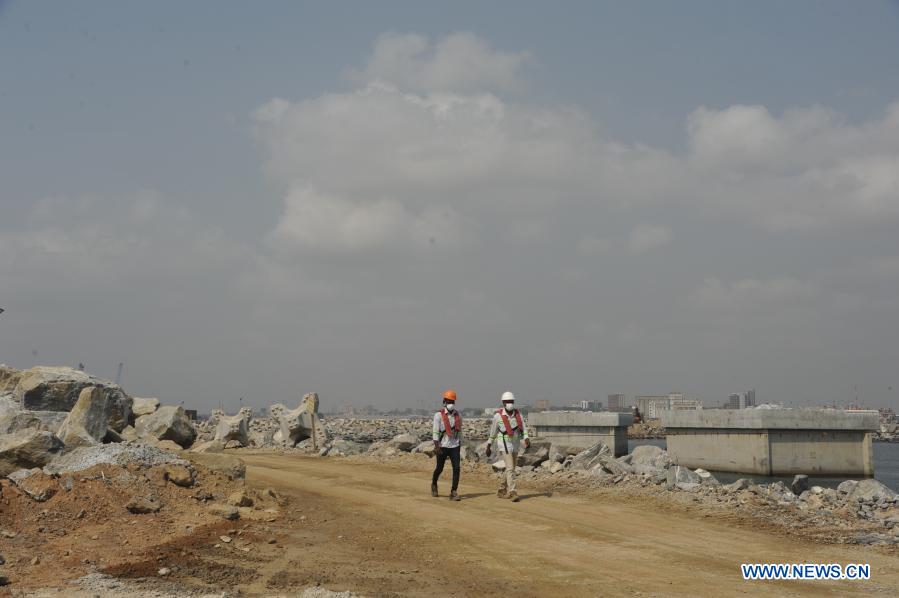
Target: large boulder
45, 388
649, 460
21, 419
296, 425
167, 423
9, 378
27, 449
535, 455
404, 442
682, 477
799, 484
144, 406
591, 457
87, 421
234, 427
870, 490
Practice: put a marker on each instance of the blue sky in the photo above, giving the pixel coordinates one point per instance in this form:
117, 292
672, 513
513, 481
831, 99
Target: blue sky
142, 175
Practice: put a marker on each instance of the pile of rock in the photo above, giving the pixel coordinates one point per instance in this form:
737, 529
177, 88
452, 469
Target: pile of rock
368, 431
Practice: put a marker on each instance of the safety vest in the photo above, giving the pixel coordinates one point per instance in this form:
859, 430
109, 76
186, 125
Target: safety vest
451, 432
508, 424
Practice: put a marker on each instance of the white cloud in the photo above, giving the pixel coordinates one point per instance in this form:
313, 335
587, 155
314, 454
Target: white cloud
751, 294
646, 237
460, 62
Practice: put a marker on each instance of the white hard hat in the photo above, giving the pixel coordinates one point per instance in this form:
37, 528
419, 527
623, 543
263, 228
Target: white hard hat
507, 397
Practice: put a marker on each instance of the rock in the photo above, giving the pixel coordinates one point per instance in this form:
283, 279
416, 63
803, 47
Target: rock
560, 452
613, 466
240, 498
870, 490
556, 467
129, 434
87, 421
112, 436
262, 438
740, 484
140, 505
404, 442
231, 466
168, 445
301, 423
342, 448
142, 406
816, 490
27, 449
164, 571
179, 475
425, 448
678, 474
35, 483
231, 428
590, 457
210, 446
226, 511
167, 423
535, 455
45, 388
706, 477
15, 419
799, 484
847, 486
688, 486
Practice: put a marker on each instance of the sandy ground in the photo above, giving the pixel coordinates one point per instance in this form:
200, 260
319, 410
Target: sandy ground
374, 529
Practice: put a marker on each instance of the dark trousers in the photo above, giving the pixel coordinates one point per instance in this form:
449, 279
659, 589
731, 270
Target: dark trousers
453, 454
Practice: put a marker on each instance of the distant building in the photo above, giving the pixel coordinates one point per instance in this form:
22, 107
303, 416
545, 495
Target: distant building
541, 405
591, 405
618, 403
651, 406
741, 400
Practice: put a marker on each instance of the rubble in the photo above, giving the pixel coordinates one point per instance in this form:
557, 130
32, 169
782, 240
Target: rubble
139, 455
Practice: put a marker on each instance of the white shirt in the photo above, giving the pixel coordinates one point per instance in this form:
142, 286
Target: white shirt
446, 440
504, 444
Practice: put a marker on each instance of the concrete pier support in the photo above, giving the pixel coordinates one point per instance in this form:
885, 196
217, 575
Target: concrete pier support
582, 429
773, 441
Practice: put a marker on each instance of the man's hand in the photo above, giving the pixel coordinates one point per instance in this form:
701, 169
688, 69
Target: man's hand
489, 450
527, 443
437, 448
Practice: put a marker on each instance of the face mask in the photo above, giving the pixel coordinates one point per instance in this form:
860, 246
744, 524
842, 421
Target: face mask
509, 407
450, 406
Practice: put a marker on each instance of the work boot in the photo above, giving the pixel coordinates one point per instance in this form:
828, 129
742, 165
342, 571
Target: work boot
513, 496
455, 496
433, 489
501, 493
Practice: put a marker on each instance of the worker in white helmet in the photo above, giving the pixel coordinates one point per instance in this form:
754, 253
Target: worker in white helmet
508, 431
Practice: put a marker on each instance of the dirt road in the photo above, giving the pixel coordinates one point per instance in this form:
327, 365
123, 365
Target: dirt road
374, 529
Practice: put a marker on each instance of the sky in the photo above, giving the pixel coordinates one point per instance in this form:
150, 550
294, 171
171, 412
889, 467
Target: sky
379, 201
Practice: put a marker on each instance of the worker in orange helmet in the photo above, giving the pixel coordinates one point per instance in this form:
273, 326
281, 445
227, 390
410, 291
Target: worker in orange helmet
447, 436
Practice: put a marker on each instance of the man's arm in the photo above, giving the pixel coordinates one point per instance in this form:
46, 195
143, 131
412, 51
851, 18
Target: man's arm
435, 432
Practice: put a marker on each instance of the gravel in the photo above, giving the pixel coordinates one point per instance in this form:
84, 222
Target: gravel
116, 454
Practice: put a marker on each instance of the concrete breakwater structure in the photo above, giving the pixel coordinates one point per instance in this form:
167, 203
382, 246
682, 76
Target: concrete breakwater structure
578, 429
773, 441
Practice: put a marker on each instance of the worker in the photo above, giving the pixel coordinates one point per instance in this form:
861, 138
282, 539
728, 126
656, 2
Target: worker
508, 431
447, 436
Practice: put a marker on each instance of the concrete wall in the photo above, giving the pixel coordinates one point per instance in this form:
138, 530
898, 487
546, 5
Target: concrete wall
582, 429
773, 442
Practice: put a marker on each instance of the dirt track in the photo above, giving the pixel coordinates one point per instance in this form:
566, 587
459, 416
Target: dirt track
374, 529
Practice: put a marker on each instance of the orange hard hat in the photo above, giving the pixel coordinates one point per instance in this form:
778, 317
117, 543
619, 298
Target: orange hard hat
449, 395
